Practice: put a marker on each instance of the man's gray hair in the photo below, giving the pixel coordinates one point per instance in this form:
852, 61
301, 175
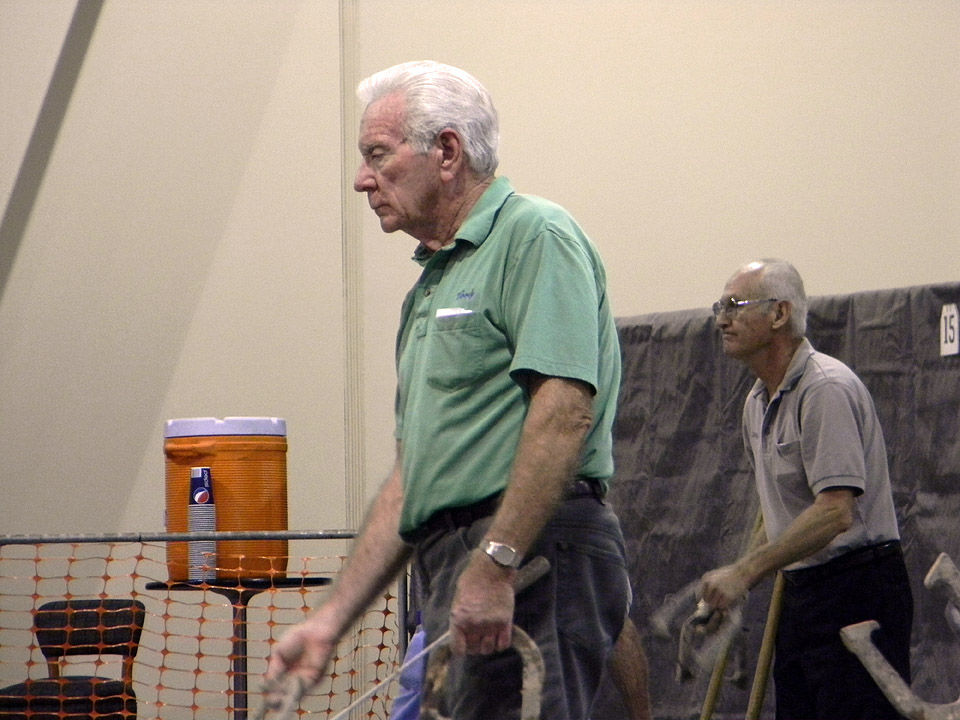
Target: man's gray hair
779, 279
438, 97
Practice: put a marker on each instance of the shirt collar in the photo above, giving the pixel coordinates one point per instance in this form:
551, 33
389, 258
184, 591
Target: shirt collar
479, 222
794, 371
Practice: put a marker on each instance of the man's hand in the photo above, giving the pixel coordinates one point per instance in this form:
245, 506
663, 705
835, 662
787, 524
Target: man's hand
724, 587
304, 652
481, 616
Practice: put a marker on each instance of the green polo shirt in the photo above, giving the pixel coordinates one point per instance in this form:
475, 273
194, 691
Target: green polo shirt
520, 289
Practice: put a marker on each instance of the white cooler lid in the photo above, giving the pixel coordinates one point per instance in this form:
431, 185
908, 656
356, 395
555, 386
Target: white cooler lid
205, 426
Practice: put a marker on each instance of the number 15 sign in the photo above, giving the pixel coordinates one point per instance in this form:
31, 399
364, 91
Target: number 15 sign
949, 331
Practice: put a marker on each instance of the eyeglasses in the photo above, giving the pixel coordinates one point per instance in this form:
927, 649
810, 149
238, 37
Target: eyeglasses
731, 306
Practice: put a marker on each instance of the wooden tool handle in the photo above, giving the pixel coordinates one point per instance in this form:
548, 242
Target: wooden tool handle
530, 573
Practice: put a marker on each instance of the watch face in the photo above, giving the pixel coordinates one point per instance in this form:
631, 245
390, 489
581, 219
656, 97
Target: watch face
502, 554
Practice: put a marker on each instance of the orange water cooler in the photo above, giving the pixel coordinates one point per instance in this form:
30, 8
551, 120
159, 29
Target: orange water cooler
247, 457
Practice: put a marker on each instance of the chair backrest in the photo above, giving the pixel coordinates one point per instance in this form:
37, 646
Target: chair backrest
93, 626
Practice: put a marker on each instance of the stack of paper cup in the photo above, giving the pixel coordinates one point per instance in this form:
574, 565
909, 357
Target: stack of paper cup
201, 517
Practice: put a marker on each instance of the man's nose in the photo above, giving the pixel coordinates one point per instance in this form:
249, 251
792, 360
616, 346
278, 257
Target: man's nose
364, 180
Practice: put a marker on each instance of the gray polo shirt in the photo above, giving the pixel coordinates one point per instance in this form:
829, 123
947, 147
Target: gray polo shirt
820, 430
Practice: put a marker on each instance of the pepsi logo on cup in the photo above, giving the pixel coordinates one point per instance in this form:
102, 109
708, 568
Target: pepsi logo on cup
201, 486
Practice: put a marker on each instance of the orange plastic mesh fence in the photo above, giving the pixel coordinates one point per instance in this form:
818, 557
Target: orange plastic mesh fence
190, 661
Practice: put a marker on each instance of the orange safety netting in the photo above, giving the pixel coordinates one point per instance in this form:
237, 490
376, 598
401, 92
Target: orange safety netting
203, 649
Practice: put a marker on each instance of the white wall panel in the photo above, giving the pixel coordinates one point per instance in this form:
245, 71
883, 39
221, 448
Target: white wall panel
184, 254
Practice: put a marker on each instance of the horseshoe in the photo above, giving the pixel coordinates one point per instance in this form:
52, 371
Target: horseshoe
944, 572
858, 640
530, 694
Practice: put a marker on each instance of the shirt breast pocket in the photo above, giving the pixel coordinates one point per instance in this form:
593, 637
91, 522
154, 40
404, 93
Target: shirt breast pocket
789, 461
455, 357
788, 449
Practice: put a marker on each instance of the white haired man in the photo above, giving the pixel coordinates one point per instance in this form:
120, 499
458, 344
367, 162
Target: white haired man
815, 443
508, 371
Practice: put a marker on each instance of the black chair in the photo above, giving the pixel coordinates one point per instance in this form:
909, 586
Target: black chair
80, 627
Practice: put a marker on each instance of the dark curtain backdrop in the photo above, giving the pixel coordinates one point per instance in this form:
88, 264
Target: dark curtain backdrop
687, 502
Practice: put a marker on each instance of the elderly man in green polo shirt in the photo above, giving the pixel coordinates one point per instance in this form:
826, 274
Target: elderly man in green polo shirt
508, 371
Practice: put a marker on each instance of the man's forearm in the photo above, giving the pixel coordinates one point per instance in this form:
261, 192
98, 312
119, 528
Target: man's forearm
812, 531
377, 557
548, 453
557, 419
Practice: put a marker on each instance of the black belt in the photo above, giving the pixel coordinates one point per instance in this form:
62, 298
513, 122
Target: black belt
585, 487
854, 558
450, 519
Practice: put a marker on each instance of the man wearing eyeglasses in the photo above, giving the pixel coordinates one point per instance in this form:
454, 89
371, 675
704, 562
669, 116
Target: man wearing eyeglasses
817, 451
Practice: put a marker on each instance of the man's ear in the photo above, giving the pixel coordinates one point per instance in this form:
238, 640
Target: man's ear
783, 312
451, 151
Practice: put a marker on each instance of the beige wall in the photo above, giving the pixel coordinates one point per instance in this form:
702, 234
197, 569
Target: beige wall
194, 249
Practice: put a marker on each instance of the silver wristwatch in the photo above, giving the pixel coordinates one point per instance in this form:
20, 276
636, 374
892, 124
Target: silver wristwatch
502, 555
